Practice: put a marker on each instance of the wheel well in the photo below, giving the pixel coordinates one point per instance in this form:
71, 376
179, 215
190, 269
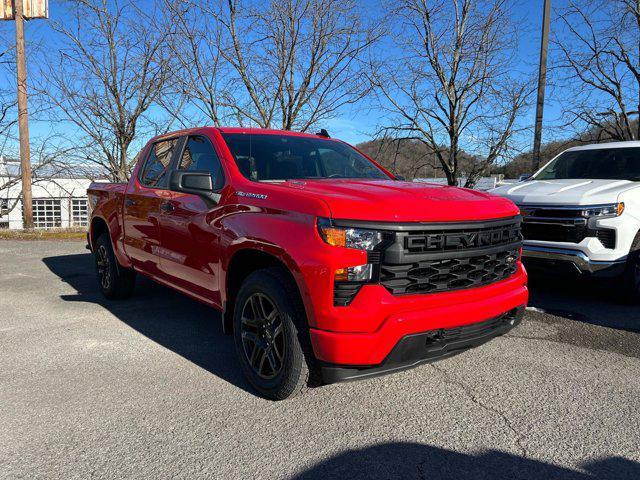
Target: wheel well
98, 227
243, 264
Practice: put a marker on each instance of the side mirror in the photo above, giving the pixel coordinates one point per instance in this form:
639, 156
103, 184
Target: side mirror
195, 182
400, 178
524, 177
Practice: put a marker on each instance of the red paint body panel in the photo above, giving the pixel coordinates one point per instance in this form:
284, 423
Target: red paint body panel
379, 329
191, 247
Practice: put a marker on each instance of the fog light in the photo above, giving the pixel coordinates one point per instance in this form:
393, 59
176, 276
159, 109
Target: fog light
360, 273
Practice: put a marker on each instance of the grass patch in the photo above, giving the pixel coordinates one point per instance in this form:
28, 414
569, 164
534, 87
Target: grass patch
50, 234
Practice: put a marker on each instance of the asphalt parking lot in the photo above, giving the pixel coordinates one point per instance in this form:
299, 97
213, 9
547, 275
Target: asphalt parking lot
150, 388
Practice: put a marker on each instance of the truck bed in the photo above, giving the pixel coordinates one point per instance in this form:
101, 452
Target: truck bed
106, 200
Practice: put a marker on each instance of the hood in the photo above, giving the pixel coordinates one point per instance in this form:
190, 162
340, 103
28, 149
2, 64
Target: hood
394, 201
566, 192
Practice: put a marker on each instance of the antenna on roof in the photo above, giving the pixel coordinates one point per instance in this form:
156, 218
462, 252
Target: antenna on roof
323, 133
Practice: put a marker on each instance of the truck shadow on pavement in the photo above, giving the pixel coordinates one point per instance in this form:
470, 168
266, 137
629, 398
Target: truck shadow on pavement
416, 461
176, 322
589, 301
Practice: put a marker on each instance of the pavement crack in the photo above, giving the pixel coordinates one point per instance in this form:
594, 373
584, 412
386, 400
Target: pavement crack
490, 408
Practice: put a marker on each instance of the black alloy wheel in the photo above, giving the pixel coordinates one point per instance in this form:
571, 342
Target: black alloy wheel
103, 267
262, 335
271, 335
115, 281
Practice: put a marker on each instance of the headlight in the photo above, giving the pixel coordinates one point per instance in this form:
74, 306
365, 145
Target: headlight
611, 210
348, 237
360, 273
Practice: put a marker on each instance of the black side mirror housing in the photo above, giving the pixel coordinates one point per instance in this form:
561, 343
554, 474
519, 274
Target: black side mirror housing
195, 182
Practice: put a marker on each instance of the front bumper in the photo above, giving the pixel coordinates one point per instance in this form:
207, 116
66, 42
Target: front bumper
418, 348
376, 321
578, 261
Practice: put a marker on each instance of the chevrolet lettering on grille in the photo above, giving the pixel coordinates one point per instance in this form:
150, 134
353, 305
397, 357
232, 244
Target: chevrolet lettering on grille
448, 241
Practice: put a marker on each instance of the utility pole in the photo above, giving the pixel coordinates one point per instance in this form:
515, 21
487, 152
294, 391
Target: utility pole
19, 10
542, 81
23, 122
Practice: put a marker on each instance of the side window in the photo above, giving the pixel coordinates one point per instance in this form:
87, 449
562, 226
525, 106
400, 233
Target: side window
200, 155
156, 168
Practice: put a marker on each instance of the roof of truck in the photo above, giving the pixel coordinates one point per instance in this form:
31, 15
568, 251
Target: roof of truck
240, 130
266, 131
600, 146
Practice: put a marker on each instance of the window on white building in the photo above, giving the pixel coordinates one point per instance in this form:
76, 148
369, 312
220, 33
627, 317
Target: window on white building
79, 212
46, 213
4, 207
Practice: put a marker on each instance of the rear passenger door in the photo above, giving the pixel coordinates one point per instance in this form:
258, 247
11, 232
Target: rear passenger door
142, 206
190, 238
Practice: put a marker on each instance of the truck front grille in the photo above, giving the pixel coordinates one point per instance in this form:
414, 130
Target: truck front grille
447, 257
453, 274
561, 224
550, 232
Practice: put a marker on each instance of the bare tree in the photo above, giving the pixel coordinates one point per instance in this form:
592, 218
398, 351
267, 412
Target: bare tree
8, 113
599, 67
453, 86
286, 63
109, 73
200, 75
407, 157
7, 117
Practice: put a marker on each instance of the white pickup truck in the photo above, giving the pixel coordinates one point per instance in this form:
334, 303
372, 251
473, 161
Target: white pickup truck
582, 211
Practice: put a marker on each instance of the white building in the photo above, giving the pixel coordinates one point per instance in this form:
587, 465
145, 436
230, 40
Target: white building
59, 197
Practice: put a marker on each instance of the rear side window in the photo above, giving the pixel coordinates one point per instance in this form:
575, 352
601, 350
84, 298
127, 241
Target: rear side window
156, 168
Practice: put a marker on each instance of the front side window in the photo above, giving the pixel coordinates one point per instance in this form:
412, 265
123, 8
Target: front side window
594, 164
156, 168
199, 155
266, 157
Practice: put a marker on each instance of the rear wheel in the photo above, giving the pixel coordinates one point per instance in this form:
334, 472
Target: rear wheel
270, 335
115, 281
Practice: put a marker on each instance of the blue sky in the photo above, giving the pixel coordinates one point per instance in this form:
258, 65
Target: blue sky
359, 124
354, 124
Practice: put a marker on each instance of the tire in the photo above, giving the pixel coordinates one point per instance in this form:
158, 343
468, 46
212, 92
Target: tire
271, 336
115, 282
631, 275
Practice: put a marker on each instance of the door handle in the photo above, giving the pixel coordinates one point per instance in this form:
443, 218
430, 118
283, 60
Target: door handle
167, 207
128, 202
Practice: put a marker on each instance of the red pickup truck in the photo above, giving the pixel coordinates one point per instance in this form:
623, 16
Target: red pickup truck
326, 267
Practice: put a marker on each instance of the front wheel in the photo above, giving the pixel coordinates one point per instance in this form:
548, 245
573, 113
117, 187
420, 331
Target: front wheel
631, 276
115, 282
270, 335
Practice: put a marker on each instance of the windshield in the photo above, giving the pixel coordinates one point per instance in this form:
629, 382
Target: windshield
605, 164
264, 157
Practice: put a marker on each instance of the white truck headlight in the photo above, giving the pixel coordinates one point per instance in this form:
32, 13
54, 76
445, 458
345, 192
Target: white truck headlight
601, 211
